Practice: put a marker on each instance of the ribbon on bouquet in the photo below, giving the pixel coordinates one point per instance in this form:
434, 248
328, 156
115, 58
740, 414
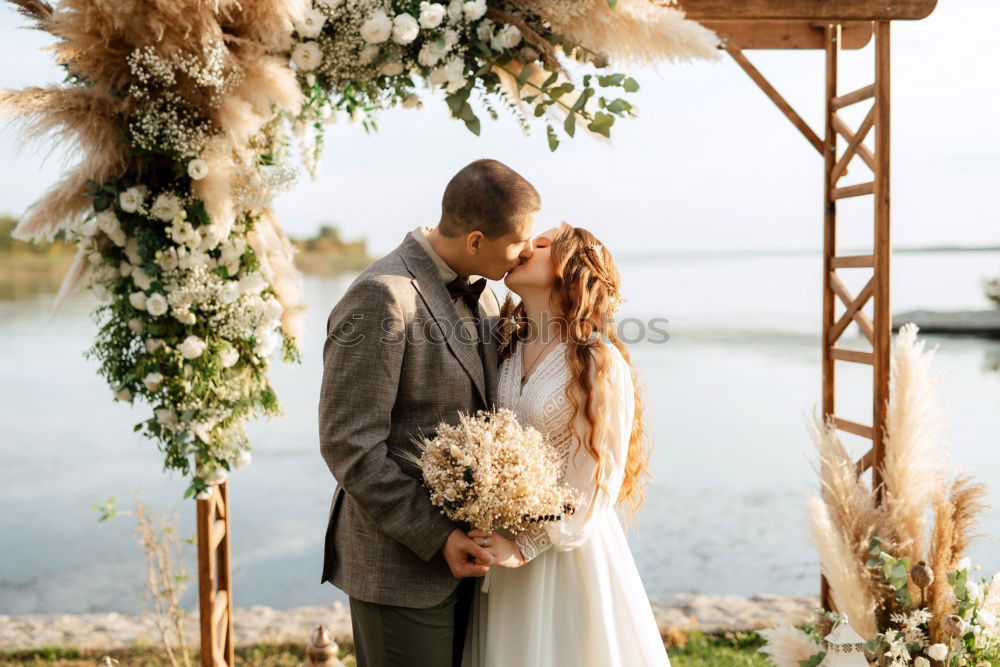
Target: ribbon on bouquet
486, 581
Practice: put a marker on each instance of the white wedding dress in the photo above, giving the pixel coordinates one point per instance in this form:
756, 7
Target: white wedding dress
579, 601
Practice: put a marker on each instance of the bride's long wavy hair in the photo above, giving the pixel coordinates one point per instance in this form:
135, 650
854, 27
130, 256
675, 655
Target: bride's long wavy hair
583, 296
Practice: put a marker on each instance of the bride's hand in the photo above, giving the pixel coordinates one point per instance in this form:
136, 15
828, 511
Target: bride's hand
504, 550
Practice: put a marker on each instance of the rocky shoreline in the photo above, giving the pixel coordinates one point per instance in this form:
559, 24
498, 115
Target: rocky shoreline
260, 624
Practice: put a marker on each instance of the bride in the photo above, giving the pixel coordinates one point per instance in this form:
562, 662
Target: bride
568, 592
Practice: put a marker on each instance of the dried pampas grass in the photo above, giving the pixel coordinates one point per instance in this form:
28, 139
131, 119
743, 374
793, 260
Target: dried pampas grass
916, 465
277, 258
842, 520
636, 32
787, 646
955, 515
848, 577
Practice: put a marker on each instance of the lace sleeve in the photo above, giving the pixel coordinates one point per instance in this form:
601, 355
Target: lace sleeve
579, 470
618, 408
533, 541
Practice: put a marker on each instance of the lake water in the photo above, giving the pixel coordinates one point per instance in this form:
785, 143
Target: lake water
726, 396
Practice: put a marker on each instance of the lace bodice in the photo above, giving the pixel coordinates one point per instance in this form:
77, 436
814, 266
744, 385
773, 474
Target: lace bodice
542, 404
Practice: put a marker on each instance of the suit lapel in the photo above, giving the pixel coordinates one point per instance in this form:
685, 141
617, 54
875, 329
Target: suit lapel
434, 293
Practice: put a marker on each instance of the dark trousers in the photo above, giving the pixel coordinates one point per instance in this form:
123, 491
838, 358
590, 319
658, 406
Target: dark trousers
390, 636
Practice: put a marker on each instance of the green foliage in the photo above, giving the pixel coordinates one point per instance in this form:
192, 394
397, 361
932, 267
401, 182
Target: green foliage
896, 571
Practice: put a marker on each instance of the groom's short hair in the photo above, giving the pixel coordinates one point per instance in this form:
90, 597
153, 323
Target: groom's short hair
486, 196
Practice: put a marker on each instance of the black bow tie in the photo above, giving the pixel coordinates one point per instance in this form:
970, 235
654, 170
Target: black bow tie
461, 287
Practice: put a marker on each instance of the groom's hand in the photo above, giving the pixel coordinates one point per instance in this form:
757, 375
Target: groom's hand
465, 557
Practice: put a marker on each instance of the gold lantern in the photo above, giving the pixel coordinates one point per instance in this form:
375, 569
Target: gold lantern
845, 647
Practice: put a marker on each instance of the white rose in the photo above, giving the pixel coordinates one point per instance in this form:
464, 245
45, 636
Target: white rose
450, 36
167, 259
156, 304
312, 23
197, 169
974, 590
410, 101
216, 476
123, 394
430, 53
454, 70
153, 381
181, 232
154, 344
192, 347
138, 300
986, 618
88, 227
230, 291
184, 316
266, 344
232, 250
141, 278
474, 9
455, 11
211, 236
229, 357
125, 268
437, 76
132, 251
937, 652
506, 38
369, 54
107, 222
377, 28
118, 237
964, 564
921, 661
431, 14
252, 283
391, 69
135, 325
485, 30
166, 207
131, 200
404, 29
242, 460
101, 292
307, 56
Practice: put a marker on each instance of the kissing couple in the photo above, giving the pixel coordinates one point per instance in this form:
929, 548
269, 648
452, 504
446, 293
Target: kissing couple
413, 342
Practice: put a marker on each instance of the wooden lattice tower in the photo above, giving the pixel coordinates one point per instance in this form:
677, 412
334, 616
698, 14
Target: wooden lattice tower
834, 25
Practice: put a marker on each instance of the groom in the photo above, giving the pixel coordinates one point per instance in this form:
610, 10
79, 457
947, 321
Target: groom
408, 346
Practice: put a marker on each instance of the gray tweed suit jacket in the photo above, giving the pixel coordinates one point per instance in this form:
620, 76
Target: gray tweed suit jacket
396, 362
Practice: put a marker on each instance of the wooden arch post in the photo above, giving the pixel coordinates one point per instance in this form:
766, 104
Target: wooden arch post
833, 25
215, 574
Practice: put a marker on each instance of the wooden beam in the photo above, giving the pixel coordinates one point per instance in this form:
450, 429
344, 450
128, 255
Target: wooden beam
858, 190
857, 356
841, 127
852, 147
859, 95
769, 90
809, 10
853, 427
765, 34
852, 261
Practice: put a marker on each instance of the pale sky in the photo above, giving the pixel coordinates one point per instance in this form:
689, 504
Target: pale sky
710, 162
